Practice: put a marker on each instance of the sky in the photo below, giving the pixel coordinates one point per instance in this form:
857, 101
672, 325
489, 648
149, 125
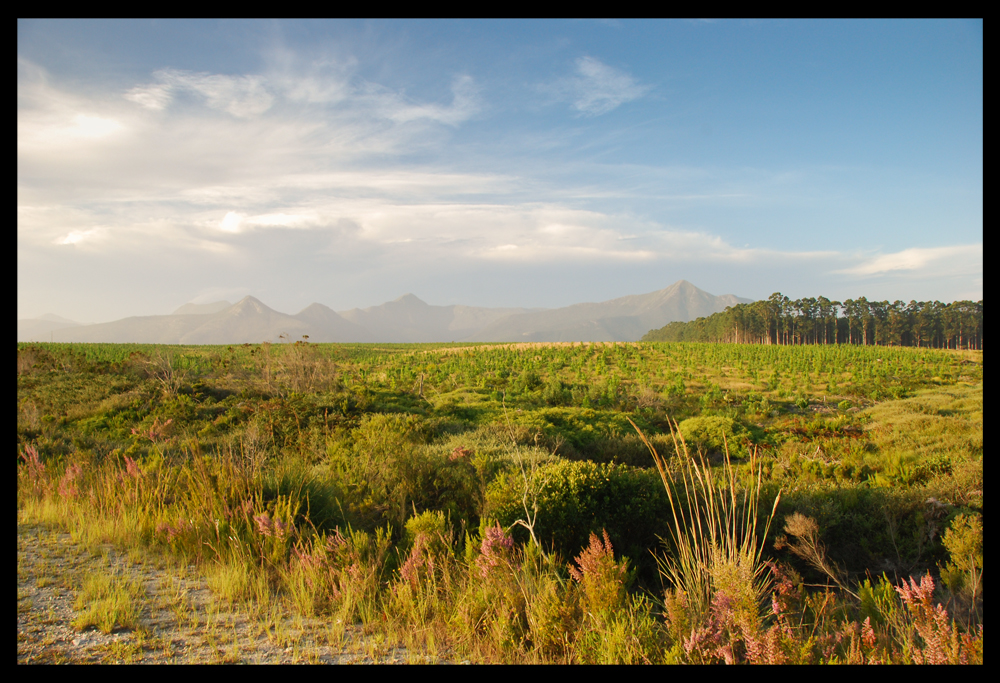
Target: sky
493, 163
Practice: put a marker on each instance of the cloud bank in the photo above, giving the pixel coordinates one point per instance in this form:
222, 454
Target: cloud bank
314, 173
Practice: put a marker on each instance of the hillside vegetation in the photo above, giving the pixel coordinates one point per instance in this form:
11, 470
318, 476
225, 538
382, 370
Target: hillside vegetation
629, 502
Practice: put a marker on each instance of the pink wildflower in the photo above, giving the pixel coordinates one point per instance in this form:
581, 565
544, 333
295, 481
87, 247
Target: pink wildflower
868, 633
495, 547
35, 468
596, 560
67, 485
264, 524
411, 568
132, 468
33, 461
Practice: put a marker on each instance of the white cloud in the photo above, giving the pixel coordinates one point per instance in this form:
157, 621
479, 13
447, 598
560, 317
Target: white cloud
539, 233
49, 119
232, 222
78, 236
89, 126
235, 222
961, 259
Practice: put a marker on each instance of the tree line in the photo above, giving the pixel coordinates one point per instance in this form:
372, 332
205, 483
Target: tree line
780, 320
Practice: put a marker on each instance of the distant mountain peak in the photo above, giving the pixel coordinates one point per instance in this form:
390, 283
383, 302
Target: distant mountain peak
250, 304
316, 307
410, 299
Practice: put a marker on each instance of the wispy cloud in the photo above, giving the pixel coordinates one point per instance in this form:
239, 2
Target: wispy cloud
249, 96
597, 88
964, 259
241, 96
395, 107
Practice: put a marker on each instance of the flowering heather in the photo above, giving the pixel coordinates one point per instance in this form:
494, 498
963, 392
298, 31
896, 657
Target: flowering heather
597, 560
33, 461
495, 547
868, 633
602, 578
67, 485
271, 527
942, 644
418, 558
34, 467
132, 468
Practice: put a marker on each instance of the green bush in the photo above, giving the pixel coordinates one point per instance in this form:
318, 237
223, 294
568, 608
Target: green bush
964, 542
575, 499
711, 434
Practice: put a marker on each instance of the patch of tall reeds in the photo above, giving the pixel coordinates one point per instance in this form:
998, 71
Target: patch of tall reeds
719, 580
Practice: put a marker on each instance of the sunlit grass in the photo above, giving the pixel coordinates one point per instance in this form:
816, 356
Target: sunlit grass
108, 601
296, 494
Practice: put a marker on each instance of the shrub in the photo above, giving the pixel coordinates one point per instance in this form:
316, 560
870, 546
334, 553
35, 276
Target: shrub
603, 580
575, 499
386, 468
964, 542
712, 434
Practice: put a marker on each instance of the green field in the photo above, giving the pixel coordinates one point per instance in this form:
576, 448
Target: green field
504, 499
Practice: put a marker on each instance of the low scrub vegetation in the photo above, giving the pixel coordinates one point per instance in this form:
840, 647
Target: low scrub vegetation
603, 503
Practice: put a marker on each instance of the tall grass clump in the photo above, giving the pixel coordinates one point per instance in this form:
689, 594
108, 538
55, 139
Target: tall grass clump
718, 575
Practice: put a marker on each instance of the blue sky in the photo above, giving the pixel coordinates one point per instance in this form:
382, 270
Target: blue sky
494, 163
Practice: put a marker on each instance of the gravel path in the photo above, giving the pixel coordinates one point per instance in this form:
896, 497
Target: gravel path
180, 621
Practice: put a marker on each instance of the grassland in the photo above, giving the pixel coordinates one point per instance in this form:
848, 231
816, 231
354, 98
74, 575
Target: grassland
502, 503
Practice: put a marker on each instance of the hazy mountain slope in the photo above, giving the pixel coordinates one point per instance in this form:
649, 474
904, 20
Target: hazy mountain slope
202, 309
42, 328
328, 326
624, 319
147, 329
468, 320
407, 319
248, 320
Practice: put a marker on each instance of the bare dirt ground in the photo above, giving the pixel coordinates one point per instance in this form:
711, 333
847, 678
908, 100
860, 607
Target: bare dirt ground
180, 621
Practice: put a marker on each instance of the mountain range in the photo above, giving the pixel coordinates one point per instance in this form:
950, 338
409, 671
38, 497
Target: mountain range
407, 319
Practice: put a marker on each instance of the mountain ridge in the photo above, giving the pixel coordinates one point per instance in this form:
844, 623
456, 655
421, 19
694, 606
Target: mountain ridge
407, 319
